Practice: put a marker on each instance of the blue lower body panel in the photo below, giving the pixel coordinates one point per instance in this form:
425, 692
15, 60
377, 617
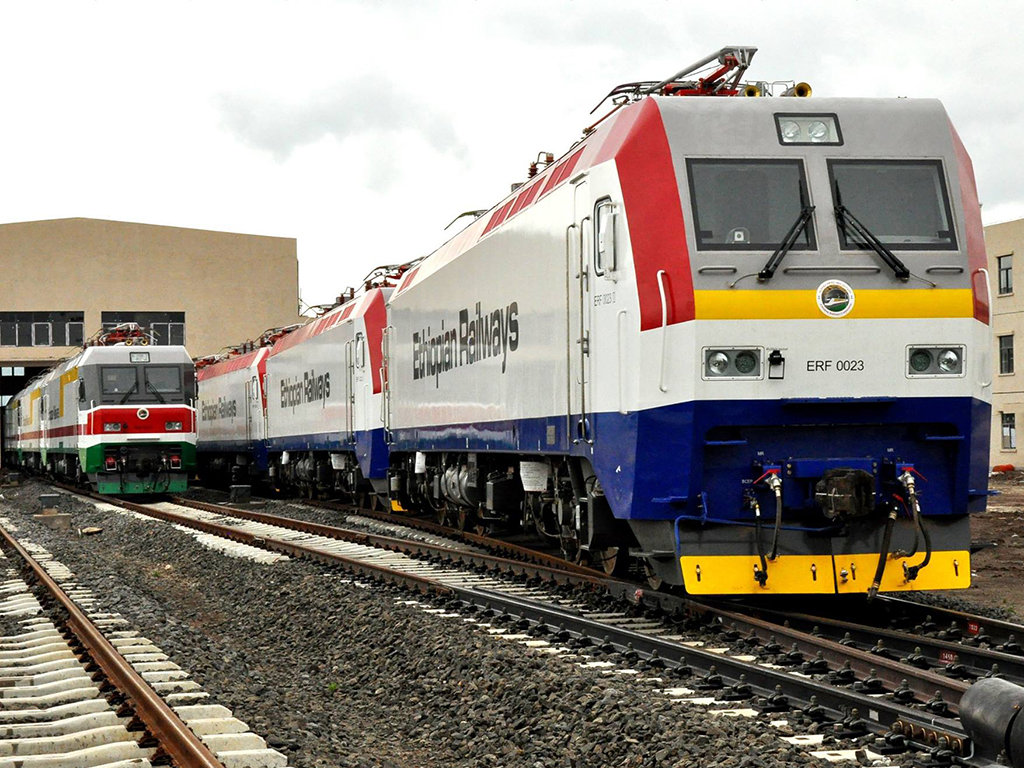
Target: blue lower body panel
658, 464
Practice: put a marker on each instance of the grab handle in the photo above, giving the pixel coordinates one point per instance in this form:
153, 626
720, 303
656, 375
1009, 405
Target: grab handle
664, 331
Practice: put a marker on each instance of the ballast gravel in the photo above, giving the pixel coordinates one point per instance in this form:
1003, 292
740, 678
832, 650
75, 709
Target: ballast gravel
338, 674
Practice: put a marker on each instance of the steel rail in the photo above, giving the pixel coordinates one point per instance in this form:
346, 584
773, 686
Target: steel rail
175, 738
862, 662
405, 546
939, 651
490, 542
1003, 629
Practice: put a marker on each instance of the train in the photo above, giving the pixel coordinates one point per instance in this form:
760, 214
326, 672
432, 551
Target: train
733, 342
118, 416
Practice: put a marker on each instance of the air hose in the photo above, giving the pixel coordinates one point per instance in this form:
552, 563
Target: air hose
883, 553
760, 575
776, 485
911, 571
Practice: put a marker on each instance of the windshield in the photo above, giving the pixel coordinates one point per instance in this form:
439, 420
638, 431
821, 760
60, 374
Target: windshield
118, 381
902, 202
747, 204
163, 378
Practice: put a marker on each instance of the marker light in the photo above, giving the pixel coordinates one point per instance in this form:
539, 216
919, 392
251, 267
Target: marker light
718, 363
920, 360
746, 362
172, 426
110, 463
949, 361
112, 426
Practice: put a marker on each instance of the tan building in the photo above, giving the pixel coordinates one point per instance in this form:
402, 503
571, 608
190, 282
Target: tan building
1005, 246
65, 279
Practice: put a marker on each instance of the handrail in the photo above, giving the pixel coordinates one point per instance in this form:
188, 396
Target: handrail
664, 330
568, 333
621, 352
988, 346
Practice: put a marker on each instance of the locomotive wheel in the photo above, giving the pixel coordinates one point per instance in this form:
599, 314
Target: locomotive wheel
606, 559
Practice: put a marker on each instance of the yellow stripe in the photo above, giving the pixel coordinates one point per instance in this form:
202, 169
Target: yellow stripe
745, 304
816, 574
35, 395
66, 378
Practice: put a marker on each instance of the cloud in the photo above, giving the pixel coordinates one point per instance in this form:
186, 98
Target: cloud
353, 109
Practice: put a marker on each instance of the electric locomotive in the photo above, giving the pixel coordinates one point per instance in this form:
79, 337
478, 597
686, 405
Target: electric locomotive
118, 415
740, 343
300, 410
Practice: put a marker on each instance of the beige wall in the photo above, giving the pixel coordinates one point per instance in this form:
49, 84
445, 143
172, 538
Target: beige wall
230, 286
1007, 239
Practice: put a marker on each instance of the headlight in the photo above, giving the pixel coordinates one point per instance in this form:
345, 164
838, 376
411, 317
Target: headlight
740, 363
718, 363
172, 426
794, 128
790, 130
817, 132
920, 360
935, 361
112, 427
949, 361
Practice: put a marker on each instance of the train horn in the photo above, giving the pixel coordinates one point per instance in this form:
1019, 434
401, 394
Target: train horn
750, 90
802, 90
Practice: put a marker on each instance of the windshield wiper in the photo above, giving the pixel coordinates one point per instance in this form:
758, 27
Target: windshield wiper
768, 271
128, 394
155, 391
850, 223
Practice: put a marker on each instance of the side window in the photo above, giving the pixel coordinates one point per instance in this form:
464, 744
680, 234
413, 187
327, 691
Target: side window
1009, 441
1006, 354
604, 237
1005, 264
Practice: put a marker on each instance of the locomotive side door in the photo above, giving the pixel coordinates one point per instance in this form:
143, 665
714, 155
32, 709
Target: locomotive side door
253, 409
580, 423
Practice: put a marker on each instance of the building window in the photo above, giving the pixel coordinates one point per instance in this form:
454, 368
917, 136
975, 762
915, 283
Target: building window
1005, 274
1009, 431
41, 329
166, 327
1006, 354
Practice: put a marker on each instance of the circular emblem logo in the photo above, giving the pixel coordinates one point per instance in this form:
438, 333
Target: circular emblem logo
143, 413
835, 298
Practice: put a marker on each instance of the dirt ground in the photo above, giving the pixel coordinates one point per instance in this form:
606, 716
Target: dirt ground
998, 572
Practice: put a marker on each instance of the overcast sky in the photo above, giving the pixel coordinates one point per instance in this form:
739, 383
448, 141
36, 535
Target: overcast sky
363, 128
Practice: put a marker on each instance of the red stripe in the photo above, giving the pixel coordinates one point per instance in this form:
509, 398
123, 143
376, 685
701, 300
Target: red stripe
976, 255
227, 366
129, 417
654, 211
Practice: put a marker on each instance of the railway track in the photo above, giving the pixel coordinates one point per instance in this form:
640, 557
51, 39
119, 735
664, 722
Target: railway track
80, 688
714, 651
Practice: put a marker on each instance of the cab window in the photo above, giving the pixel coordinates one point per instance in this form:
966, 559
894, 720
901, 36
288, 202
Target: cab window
903, 203
747, 205
161, 378
118, 380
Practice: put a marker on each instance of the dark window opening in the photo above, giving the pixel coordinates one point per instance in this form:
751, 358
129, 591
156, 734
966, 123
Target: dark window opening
40, 329
747, 205
904, 203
